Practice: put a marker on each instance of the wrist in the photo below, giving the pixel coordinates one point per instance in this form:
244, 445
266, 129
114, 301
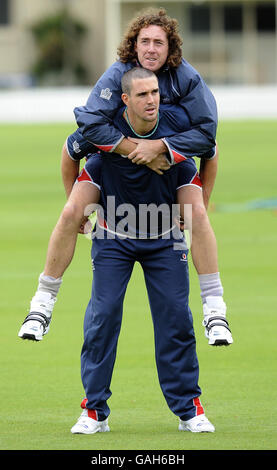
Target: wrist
125, 147
161, 147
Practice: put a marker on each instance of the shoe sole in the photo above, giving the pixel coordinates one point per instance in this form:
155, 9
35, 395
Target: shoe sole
190, 430
220, 342
30, 337
88, 432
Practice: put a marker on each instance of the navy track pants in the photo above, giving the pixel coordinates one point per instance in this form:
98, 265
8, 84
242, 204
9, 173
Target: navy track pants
167, 281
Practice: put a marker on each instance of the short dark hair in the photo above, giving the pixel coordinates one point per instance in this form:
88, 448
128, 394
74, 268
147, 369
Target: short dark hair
133, 74
126, 50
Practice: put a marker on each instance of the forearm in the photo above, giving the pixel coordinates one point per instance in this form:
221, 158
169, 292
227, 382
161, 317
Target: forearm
69, 170
208, 172
125, 147
146, 150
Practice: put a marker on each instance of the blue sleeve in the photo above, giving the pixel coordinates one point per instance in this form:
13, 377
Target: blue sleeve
78, 147
200, 106
174, 119
95, 119
173, 127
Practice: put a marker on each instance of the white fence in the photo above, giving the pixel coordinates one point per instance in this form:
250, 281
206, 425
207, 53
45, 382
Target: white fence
56, 105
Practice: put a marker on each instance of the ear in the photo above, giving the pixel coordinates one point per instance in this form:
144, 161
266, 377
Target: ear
125, 98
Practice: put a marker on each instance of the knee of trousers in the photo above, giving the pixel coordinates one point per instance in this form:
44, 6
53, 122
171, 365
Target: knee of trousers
102, 322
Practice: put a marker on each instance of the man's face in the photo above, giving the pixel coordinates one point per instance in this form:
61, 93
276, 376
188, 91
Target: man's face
152, 47
144, 99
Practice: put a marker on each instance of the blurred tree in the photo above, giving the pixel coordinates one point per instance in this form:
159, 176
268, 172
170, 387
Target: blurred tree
58, 39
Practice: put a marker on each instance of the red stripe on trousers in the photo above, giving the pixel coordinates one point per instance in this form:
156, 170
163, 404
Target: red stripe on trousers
199, 407
91, 413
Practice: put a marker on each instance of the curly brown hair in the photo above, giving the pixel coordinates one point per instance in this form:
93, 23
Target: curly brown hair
126, 50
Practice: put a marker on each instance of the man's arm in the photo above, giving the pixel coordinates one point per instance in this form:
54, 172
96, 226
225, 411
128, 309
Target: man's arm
125, 147
76, 147
69, 169
208, 172
200, 106
197, 111
95, 119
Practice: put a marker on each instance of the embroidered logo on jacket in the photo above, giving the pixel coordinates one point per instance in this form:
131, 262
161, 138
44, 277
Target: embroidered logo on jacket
76, 147
106, 94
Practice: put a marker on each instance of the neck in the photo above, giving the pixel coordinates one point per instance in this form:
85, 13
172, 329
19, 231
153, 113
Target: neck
140, 127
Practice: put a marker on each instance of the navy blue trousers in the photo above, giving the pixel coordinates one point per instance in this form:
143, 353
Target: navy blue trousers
167, 281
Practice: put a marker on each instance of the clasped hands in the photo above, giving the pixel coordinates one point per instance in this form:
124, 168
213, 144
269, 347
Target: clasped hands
151, 153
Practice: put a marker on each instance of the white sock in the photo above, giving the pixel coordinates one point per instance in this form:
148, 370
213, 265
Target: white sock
210, 286
49, 284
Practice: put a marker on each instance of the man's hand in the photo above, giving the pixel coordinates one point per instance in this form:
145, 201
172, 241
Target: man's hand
146, 150
159, 164
85, 226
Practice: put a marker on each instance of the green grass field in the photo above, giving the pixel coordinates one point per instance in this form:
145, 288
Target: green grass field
41, 389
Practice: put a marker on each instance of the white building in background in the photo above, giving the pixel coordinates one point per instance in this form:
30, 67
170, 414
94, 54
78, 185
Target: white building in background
228, 41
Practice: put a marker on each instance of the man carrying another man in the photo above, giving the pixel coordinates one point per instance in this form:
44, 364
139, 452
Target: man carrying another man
162, 254
152, 41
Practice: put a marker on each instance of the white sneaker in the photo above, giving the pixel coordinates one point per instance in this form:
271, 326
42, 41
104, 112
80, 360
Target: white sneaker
197, 424
217, 328
37, 323
87, 425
